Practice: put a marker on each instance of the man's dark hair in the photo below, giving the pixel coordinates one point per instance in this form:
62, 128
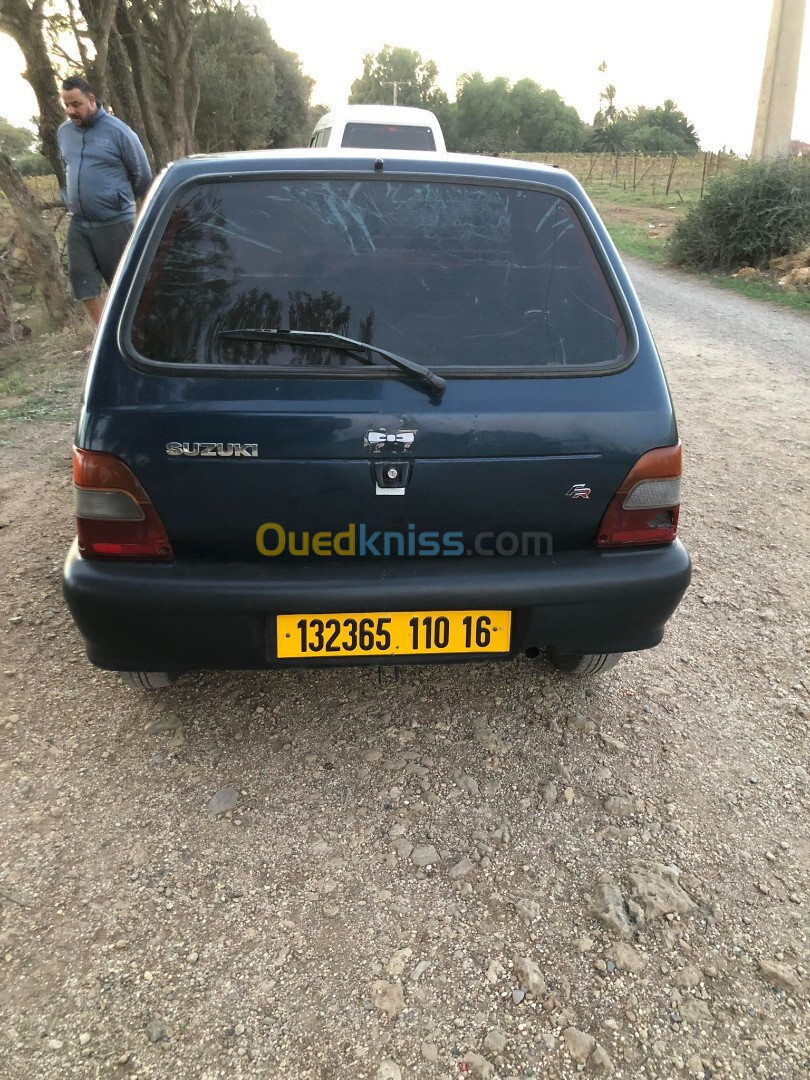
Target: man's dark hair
76, 82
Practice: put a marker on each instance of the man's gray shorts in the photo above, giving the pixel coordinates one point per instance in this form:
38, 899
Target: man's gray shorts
93, 254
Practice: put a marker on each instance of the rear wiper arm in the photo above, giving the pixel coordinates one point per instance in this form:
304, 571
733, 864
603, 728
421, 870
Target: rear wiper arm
325, 340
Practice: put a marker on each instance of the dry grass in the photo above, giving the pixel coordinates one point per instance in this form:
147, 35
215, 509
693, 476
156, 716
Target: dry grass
657, 176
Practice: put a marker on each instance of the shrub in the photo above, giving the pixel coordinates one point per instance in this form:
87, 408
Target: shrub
32, 165
752, 214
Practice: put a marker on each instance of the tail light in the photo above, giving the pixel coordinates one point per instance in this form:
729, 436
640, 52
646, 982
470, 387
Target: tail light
114, 515
645, 508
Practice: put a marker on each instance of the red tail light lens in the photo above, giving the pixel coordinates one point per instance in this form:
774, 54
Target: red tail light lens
114, 515
645, 508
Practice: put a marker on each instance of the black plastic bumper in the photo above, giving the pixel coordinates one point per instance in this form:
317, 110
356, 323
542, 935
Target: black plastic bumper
184, 615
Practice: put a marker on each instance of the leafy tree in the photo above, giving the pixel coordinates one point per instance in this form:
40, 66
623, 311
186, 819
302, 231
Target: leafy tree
609, 113
17, 143
612, 126
613, 137
290, 126
24, 21
398, 76
253, 93
141, 57
487, 121
33, 165
447, 115
544, 121
496, 117
664, 128
14, 140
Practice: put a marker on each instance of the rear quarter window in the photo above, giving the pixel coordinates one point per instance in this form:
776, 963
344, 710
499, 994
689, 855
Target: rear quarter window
458, 276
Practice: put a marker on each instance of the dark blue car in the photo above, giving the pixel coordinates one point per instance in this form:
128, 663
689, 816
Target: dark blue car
345, 408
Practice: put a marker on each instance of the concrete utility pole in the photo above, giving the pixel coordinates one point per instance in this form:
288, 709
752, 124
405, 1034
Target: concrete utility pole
780, 76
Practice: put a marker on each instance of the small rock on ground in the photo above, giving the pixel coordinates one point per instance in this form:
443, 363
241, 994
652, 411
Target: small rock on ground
223, 801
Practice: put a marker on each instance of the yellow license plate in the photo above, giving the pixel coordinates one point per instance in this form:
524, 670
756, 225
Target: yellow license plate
392, 633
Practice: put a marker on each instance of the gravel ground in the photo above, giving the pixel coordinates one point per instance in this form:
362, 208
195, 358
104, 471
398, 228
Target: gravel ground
490, 870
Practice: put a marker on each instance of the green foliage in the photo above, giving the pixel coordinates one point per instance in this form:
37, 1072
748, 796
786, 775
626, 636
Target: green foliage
18, 143
612, 136
544, 121
656, 140
14, 140
414, 77
33, 165
664, 129
252, 92
494, 117
754, 213
486, 120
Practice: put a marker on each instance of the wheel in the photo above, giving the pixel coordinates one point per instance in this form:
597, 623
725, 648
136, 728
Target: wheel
147, 680
584, 663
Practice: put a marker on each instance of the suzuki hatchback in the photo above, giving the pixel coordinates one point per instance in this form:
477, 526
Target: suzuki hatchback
346, 408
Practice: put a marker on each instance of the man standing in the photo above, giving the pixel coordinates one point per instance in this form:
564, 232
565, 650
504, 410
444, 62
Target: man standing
106, 170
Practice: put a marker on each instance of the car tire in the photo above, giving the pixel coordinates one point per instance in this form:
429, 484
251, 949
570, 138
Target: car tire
147, 680
584, 663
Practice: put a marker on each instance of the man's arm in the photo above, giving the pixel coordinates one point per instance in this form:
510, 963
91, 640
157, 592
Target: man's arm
135, 162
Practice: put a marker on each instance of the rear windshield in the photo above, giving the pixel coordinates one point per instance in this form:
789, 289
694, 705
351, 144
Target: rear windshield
451, 275
388, 137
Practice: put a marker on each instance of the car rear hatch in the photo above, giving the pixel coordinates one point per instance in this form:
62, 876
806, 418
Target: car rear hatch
252, 446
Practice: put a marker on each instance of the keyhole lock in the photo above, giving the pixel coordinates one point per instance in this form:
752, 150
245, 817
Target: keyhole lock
390, 477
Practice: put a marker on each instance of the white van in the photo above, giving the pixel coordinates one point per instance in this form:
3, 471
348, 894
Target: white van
379, 127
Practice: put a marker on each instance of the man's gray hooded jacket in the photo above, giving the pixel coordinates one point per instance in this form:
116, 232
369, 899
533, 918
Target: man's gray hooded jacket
106, 169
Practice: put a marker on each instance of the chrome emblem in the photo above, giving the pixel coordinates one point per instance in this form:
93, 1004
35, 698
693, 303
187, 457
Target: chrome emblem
213, 449
392, 442
578, 491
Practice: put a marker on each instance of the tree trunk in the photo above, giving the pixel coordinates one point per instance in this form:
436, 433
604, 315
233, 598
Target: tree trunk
128, 17
111, 74
192, 101
8, 326
42, 249
99, 17
78, 34
125, 98
24, 22
177, 27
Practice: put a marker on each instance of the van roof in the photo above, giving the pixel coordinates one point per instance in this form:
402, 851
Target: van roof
376, 114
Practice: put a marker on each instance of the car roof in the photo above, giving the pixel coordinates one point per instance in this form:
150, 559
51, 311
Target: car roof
321, 160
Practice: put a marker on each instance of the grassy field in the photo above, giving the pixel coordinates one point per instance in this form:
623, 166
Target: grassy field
41, 376
668, 177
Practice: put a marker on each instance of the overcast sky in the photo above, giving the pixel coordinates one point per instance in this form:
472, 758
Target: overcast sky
705, 54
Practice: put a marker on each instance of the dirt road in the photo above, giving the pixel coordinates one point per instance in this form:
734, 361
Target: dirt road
489, 870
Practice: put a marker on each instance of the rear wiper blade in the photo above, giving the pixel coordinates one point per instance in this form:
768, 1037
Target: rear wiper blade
325, 340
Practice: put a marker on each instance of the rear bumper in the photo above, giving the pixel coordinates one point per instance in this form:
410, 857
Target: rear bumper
187, 615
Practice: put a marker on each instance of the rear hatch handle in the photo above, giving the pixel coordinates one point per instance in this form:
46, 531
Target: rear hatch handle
360, 350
